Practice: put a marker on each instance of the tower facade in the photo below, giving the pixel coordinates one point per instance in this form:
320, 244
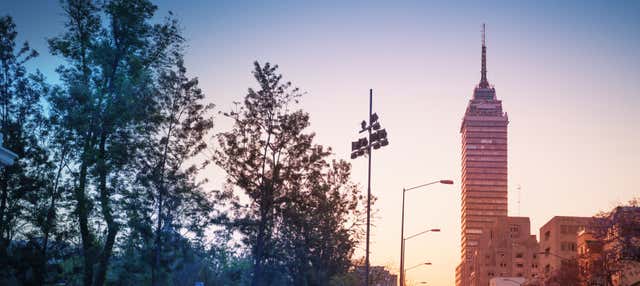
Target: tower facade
484, 169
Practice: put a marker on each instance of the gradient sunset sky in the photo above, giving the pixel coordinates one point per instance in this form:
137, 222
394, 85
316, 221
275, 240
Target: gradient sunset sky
568, 73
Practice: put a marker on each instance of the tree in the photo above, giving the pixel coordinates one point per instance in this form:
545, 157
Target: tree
180, 133
321, 222
299, 204
619, 232
109, 97
27, 196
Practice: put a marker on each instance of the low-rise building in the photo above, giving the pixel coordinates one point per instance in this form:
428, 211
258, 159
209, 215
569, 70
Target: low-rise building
508, 249
590, 258
558, 239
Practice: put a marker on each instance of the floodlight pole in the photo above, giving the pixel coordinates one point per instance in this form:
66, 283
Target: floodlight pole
364, 146
369, 188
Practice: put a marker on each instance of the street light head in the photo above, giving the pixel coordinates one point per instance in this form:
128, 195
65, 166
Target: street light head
355, 145
374, 117
376, 126
435, 230
374, 136
446, 182
427, 263
382, 134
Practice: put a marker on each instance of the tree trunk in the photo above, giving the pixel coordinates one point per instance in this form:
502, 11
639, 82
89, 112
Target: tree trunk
265, 209
51, 213
155, 267
3, 202
83, 215
107, 212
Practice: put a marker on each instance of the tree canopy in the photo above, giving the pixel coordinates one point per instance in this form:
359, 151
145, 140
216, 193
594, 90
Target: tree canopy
110, 187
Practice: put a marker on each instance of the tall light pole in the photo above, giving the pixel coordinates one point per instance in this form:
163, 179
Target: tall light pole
402, 270
416, 266
361, 147
402, 239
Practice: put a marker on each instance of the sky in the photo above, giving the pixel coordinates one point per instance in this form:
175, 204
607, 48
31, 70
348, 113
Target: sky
566, 71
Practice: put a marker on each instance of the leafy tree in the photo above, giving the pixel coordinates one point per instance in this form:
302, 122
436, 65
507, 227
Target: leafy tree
619, 232
27, 197
299, 203
321, 222
180, 133
112, 51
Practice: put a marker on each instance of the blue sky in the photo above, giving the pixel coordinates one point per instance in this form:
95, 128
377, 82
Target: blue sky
567, 72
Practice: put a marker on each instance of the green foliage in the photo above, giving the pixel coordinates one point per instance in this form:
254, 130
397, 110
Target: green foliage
107, 189
27, 197
303, 217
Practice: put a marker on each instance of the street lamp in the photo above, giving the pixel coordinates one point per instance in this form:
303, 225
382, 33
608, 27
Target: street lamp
402, 270
417, 265
402, 239
361, 147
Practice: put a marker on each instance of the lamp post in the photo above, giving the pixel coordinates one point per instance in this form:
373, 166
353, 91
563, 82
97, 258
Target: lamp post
402, 239
361, 147
417, 265
402, 270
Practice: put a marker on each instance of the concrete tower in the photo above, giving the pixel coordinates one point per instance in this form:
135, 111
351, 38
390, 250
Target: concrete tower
484, 168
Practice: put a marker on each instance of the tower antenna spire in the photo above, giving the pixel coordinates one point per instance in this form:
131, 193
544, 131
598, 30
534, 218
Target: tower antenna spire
484, 83
483, 35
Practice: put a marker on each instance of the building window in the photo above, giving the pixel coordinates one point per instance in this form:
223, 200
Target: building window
568, 246
519, 255
519, 265
547, 234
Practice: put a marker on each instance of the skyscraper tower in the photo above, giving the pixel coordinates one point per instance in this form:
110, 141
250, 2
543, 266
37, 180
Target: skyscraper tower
484, 168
